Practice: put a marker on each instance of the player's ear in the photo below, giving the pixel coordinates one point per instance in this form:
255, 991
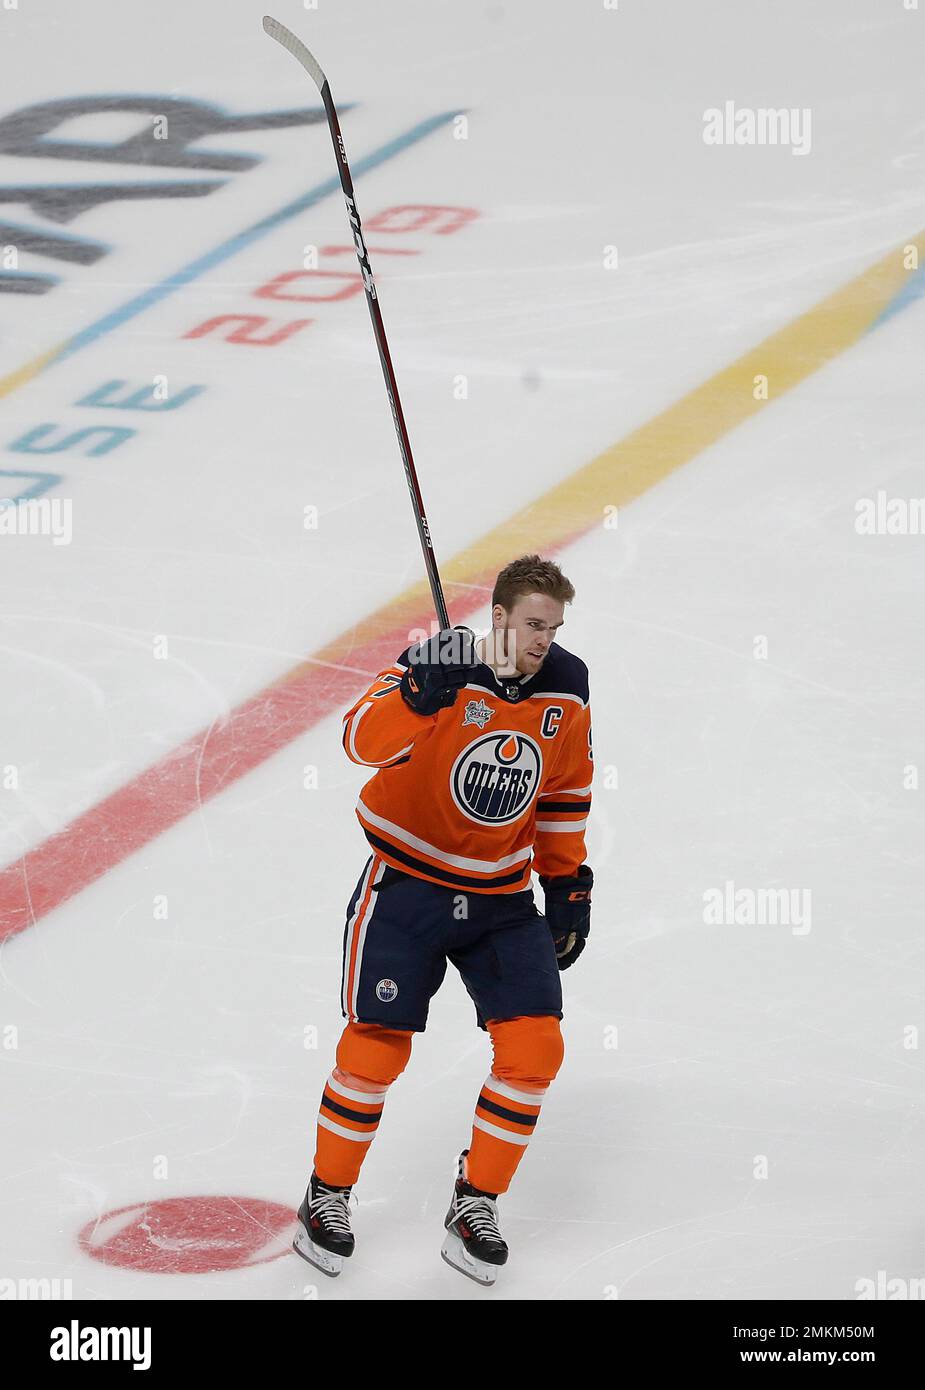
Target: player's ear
498, 615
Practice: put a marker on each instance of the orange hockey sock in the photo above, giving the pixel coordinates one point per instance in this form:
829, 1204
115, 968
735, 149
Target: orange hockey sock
527, 1055
369, 1058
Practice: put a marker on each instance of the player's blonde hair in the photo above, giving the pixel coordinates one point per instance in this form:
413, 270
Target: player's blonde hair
531, 575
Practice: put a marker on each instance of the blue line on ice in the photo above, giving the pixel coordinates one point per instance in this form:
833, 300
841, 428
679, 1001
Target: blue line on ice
232, 245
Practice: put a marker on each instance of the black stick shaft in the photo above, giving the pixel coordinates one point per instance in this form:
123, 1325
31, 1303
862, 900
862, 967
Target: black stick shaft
284, 36
385, 358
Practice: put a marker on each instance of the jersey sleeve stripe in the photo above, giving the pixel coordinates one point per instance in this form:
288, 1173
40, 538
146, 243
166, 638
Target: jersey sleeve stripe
567, 791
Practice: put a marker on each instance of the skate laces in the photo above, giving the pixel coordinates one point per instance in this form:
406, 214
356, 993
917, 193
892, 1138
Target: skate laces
481, 1216
333, 1211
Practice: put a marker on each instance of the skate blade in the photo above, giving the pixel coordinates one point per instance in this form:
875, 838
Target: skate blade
458, 1257
322, 1259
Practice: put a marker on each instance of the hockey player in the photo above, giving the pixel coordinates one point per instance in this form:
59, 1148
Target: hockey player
483, 758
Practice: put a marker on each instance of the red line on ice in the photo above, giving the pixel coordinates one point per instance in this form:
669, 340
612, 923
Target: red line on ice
154, 800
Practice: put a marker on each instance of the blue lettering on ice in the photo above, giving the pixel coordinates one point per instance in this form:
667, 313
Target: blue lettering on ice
113, 436
44, 482
141, 399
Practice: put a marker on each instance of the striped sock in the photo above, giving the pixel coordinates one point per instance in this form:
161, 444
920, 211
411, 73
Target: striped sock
347, 1122
505, 1117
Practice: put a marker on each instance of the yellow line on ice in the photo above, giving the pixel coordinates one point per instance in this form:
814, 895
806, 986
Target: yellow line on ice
650, 453
29, 370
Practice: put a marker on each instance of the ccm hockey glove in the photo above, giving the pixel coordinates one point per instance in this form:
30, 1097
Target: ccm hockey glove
568, 913
437, 669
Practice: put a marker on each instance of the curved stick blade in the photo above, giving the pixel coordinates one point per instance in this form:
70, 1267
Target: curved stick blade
296, 47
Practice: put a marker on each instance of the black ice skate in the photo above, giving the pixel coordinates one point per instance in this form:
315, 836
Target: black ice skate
323, 1236
473, 1243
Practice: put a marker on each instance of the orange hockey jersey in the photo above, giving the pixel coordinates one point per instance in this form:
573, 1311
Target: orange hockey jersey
477, 795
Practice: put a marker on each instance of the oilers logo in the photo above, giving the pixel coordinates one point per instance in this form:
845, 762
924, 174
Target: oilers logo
387, 990
494, 780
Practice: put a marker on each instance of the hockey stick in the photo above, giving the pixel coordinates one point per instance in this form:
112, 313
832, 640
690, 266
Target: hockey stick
283, 36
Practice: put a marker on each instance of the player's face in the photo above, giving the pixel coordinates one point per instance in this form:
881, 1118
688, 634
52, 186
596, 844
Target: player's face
529, 628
